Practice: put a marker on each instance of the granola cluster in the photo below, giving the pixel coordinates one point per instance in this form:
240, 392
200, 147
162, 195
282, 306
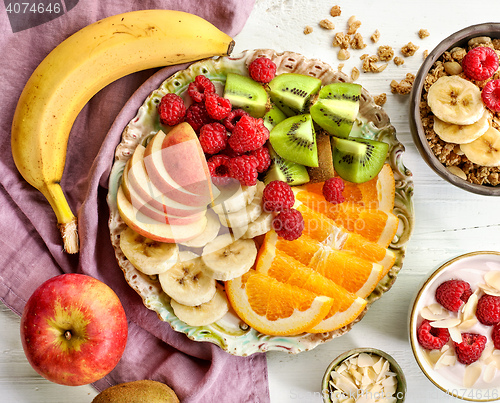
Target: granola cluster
449, 154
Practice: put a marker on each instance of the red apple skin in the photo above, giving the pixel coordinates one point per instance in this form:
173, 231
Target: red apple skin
88, 313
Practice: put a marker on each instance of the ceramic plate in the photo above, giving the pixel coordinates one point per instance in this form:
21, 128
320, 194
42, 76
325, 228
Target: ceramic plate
230, 333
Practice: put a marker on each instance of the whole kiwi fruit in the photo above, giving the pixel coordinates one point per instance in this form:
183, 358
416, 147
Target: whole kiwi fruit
144, 391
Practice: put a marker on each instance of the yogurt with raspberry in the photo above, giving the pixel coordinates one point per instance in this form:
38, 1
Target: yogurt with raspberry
449, 375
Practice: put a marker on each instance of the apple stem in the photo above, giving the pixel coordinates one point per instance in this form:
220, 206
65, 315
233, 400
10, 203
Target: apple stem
67, 334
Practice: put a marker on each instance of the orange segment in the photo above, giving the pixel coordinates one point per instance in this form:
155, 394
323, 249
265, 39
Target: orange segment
275, 308
284, 268
377, 193
302, 249
375, 225
355, 274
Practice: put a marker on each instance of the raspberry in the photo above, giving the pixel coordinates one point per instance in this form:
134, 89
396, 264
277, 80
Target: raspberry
218, 165
488, 310
480, 63
230, 152
248, 134
200, 87
432, 338
233, 118
262, 69
491, 95
332, 190
495, 336
277, 196
289, 224
171, 109
471, 347
452, 294
263, 158
244, 169
213, 138
197, 116
217, 107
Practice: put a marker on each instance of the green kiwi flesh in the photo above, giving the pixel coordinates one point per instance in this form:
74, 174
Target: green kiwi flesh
286, 171
337, 108
294, 139
358, 160
245, 93
273, 116
291, 92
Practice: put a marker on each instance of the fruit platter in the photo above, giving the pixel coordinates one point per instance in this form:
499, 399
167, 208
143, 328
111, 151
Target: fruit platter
255, 178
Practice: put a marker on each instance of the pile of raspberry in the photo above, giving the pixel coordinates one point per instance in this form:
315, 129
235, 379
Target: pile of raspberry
452, 295
234, 142
480, 64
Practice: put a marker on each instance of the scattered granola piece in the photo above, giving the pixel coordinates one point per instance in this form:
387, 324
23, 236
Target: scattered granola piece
343, 54
354, 74
380, 99
385, 53
409, 49
370, 64
398, 61
352, 25
423, 33
375, 36
357, 41
425, 54
342, 40
307, 30
335, 11
403, 87
326, 24
340, 67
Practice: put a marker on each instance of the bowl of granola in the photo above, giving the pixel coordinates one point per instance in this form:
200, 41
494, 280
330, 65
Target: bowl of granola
454, 327
455, 109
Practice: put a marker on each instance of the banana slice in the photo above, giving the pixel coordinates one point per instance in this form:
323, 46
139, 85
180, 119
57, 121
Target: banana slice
485, 150
211, 231
247, 214
461, 134
188, 281
233, 197
226, 258
148, 256
455, 100
260, 226
204, 314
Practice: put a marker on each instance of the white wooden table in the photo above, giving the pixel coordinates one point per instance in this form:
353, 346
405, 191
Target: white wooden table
448, 221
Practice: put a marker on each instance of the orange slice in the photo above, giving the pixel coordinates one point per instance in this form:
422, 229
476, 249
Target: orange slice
377, 193
355, 274
275, 308
284, 268
373, 224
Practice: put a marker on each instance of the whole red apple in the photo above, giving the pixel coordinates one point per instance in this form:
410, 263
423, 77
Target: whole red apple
73, 329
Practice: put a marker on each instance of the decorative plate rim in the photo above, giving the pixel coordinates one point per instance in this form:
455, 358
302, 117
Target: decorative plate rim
239, 339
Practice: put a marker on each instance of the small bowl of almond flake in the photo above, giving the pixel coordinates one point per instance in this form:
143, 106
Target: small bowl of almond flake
455, 109
364, 375
455, 327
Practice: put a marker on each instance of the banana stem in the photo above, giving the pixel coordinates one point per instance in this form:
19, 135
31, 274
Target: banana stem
66, 220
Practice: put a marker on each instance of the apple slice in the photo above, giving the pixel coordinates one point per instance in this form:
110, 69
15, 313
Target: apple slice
155, 230
175, 163
136, 184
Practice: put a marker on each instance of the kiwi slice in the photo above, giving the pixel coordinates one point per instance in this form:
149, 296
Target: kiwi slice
358, 160
273, 116
245, 93
286, 171
291, 92
294, 139
337, 107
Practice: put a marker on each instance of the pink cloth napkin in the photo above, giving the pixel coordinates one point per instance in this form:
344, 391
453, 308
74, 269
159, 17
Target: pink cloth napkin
30, 244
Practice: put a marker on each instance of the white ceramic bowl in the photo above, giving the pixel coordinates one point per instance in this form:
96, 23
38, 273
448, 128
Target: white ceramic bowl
470, 267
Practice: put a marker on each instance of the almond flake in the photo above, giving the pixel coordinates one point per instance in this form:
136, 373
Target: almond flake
365, 360
489, 372
492, 278
455, 334
472, 374
436, 309
469, 308
467, 324
489, 290
445, 323
345, 385
428, 314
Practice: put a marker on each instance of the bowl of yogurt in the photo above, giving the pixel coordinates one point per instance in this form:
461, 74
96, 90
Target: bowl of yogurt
477, 376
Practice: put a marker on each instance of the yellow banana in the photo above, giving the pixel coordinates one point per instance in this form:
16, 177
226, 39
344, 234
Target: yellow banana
77, 69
